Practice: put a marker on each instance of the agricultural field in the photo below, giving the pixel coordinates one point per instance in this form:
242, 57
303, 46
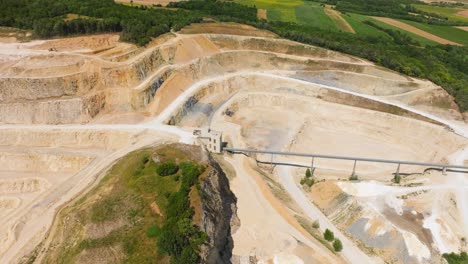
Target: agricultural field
302, 12
452, 13
450, 33
325, 17
277, 10
312, 13
356, 22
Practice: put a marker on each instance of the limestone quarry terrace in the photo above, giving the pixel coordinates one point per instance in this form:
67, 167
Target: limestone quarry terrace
69, 108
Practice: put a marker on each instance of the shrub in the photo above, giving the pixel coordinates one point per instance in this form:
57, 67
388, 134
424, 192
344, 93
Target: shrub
453, 258
310, 182
153, 231
303, 180
167, 168
337, 245
328, 235
308, 174
353, 177
316, 224
397, 178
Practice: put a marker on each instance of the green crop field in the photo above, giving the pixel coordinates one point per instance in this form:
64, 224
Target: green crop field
449, 12
278, 10
446, 32
312, 13
422, 40
356, 21
302, 12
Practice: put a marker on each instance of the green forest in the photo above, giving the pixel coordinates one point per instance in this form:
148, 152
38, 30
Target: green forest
445, 65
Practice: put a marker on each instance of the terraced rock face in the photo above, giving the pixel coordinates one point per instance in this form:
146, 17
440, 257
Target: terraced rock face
69, 108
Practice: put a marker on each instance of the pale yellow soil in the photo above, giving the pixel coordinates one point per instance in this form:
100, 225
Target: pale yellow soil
463, 28
415, 30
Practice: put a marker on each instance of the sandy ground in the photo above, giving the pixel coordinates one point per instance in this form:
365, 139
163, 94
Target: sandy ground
340, 21
463, 28
415, 30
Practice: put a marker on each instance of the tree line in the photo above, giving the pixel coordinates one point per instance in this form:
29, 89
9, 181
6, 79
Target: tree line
137, 24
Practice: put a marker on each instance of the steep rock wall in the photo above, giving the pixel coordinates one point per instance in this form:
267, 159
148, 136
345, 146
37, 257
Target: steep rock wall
218, 215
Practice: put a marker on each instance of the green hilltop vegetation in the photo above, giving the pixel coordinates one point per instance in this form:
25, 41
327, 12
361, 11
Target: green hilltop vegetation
136, 215
445, 65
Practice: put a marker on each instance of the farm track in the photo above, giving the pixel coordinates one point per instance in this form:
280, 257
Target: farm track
415, 30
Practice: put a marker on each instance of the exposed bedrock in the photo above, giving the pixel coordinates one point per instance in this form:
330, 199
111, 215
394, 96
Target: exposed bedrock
218, 215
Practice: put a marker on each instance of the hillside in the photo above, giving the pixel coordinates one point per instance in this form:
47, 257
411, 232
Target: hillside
124, 218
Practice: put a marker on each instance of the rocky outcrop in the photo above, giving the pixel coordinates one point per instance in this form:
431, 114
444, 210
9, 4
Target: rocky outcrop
218, 215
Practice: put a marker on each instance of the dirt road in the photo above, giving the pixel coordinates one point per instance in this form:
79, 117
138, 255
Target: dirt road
415, 30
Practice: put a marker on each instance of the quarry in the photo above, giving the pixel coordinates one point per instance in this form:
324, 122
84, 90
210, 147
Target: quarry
71, 108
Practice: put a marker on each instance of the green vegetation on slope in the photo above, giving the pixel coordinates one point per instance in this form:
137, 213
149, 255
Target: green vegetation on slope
453, 258
134, 215
447, 32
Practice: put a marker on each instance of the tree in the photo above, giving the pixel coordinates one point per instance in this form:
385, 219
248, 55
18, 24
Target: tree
397, 178
167, 168
308, 174
328, 235
337, 245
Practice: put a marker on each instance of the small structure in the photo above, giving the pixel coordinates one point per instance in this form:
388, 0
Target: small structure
211, 138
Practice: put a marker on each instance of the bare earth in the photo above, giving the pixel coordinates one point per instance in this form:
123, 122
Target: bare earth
463, 28
262, 13
415, 30
336, 16
463, 13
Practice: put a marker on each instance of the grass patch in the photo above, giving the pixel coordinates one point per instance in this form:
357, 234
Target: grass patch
356, 22
277, 10
312, 14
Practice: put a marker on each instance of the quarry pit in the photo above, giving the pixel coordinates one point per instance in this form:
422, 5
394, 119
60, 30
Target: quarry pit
69, 108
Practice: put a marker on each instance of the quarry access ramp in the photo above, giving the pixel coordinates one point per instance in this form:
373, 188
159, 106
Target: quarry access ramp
444, 167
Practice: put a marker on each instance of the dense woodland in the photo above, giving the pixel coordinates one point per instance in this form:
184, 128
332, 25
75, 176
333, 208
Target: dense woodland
137, 24
445, 65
